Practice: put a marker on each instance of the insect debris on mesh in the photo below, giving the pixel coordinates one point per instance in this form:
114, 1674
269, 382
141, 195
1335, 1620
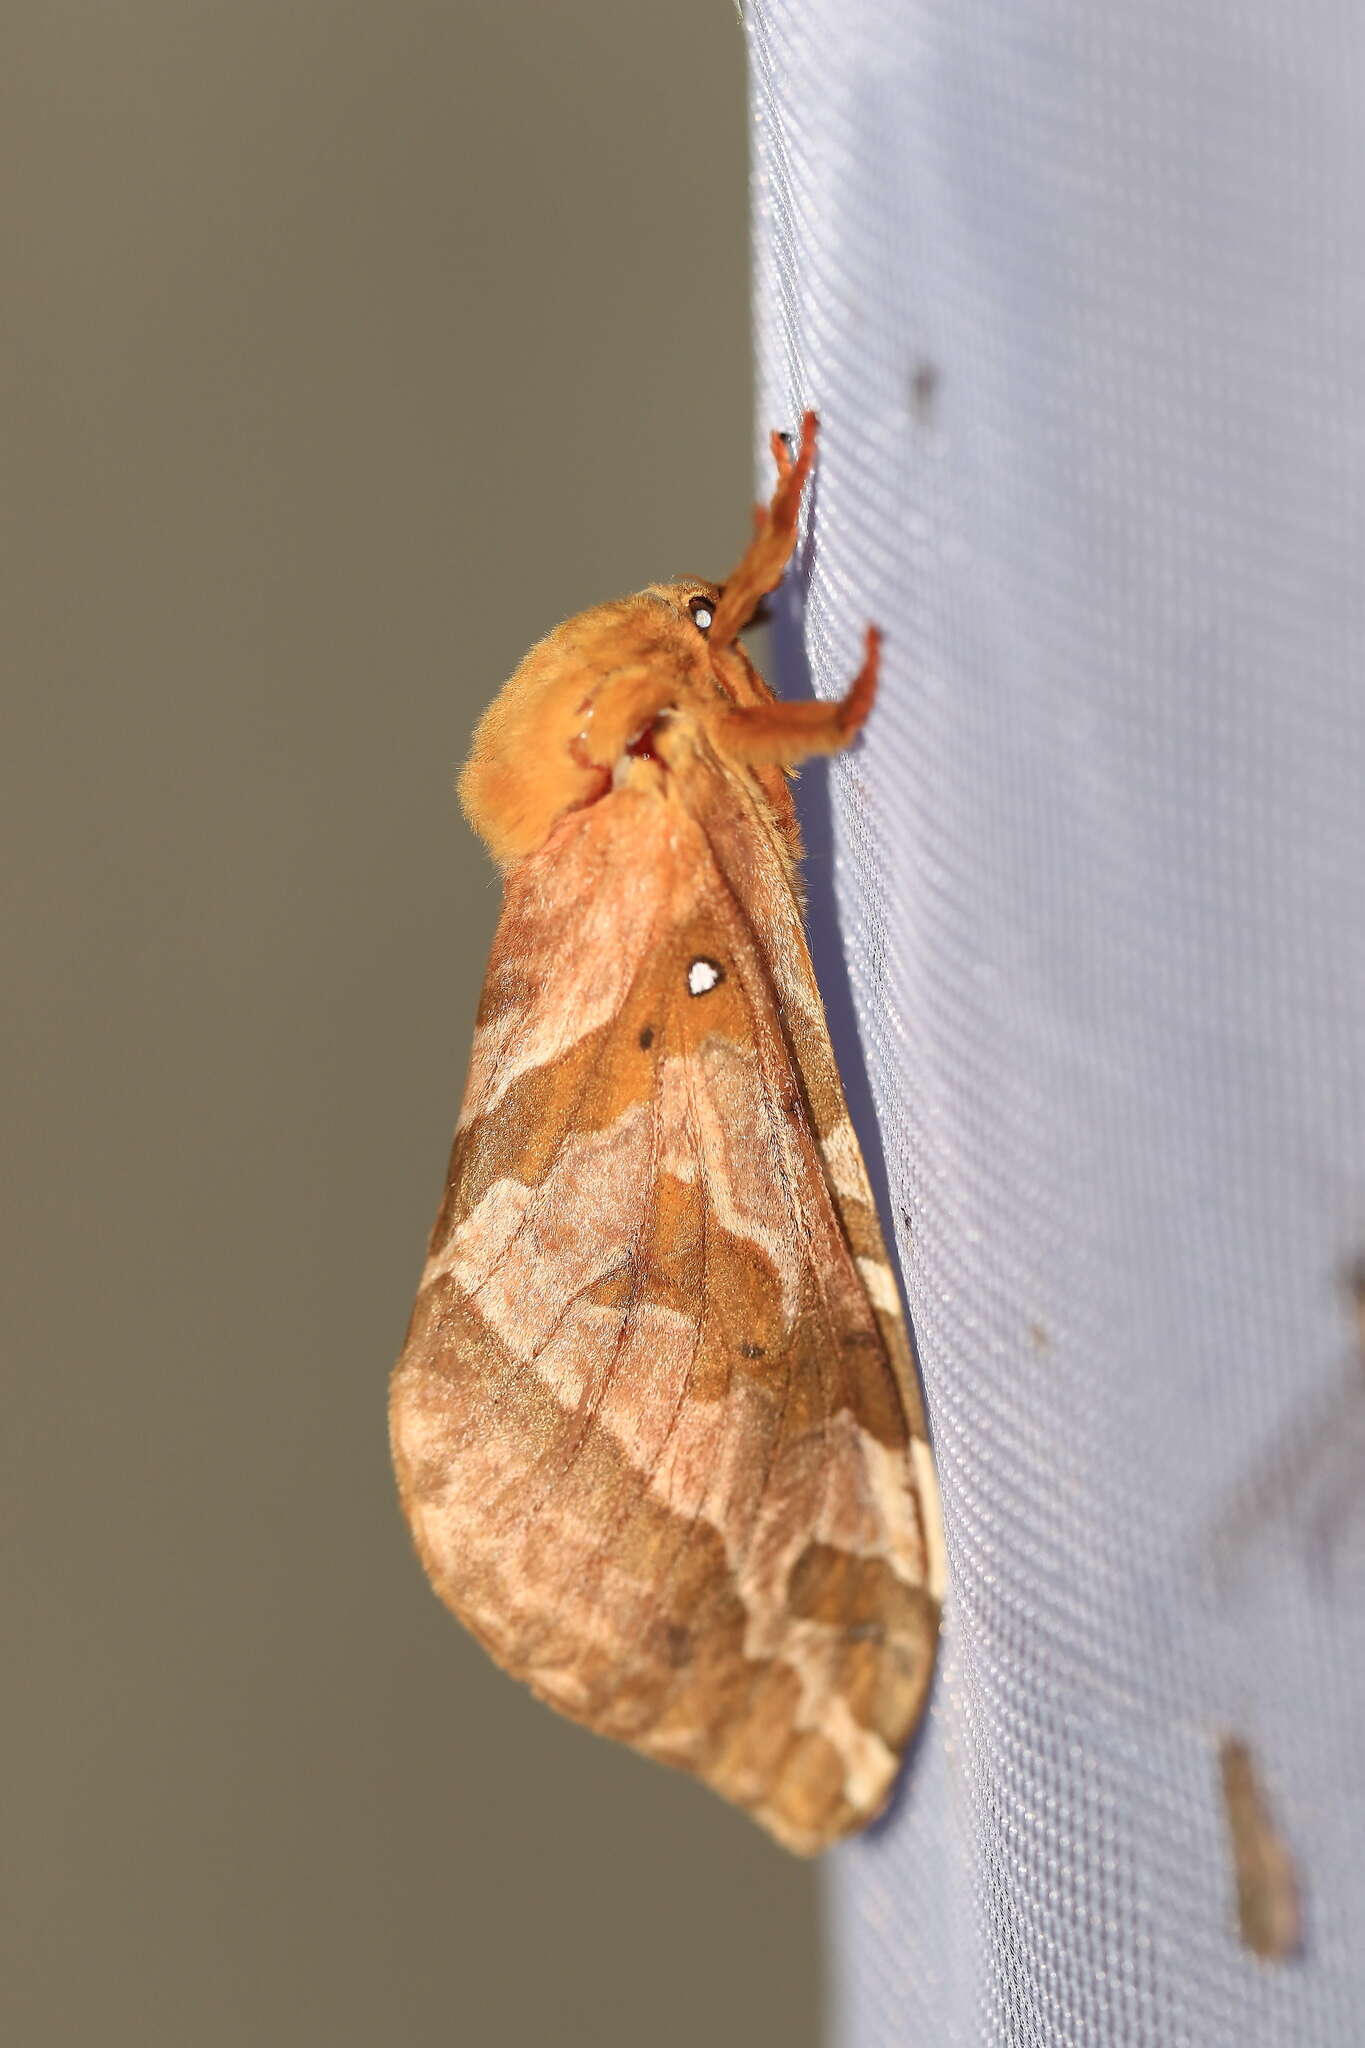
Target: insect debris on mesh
656, 1426
1267, 1889
1304, 1497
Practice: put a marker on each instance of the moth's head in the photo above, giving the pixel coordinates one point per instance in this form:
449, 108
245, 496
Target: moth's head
565, 726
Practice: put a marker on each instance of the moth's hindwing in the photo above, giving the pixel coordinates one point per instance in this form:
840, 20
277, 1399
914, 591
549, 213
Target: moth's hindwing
655, 1426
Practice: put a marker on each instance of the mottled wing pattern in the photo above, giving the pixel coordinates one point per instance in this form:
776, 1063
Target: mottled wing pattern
650, 1427
735, 835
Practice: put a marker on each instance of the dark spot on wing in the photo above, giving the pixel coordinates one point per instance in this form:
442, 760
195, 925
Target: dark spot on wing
647, 1038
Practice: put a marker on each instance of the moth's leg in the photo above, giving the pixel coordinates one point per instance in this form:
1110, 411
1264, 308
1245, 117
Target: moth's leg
788, 733
768, 553
614, 715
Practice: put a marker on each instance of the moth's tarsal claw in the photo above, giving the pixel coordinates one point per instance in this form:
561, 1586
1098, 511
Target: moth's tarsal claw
862, 691
768, 553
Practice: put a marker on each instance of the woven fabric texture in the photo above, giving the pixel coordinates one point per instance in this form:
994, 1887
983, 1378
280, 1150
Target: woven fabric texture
1079, 293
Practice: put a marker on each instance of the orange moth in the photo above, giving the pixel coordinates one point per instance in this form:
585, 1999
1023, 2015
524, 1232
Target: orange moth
656, 1426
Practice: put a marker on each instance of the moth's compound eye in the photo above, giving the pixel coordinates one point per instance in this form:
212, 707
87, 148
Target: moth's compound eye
703, 611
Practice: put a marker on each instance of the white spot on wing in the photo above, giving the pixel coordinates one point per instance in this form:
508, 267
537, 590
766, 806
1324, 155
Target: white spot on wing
702, 977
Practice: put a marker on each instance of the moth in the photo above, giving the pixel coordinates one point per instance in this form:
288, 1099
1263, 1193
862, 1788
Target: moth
656, 1427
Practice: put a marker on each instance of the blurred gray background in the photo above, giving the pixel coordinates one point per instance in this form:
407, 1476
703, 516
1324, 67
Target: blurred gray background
349, 348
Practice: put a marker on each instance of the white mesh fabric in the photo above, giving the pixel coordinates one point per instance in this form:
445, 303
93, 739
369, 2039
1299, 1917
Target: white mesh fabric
1079, 294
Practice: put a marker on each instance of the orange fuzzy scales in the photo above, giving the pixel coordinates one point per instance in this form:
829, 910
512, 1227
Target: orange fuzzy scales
656, 1426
